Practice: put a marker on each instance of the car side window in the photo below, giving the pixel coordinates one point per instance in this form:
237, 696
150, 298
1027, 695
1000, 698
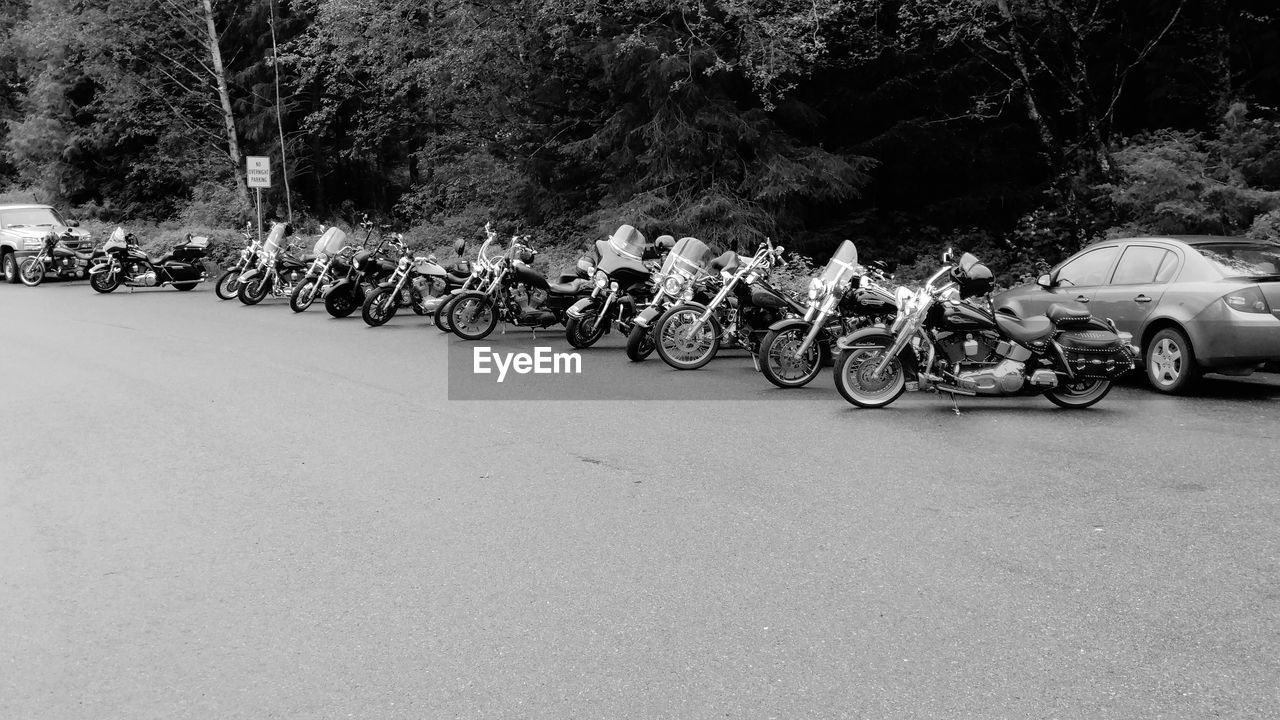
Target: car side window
1139, 265
1088, 269
1167, 268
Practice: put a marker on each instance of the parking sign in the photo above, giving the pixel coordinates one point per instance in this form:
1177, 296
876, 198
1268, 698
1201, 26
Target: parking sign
259, 170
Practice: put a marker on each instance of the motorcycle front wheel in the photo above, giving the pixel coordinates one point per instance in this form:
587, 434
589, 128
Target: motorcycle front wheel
441, 315
104, 282
342, 303
473, 316
254, 291
31, 272
679, 344
304, 295
585, 331
640, 343
856, 380
1080, 394
228, 284
778, 361
379, 307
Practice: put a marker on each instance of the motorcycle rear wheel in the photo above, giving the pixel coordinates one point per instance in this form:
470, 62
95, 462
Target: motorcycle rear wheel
379, 307
31, 272
304, 295
854, 379
104, 282
254, 291
587, 330
778, 362
473, 317
1080, 394
680, 348
640, 343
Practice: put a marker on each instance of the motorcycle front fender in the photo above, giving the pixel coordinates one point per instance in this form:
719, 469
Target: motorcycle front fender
787, 323
101, 267
878, 337
248, 275
579, 308
647, 317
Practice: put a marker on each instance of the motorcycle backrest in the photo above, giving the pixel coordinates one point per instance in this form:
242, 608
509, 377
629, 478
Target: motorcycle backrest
196, 242
331, 241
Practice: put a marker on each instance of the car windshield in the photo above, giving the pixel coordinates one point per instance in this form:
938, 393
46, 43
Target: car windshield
30, 217
1243, 259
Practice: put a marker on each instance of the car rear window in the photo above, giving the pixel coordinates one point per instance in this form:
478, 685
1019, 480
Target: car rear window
1247, 259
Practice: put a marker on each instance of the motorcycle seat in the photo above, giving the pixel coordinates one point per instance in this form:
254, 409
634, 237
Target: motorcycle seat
1068, 314
293, 262
567, 277
162, 259
457, 277
462, 267
568, 288
1031, 331
85, 254
728, 262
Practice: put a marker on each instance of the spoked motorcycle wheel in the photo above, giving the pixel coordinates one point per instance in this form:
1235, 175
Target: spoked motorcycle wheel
254, 291
104, 282
304, 295
441, 315
473, 316
31, 272
640, 343
228, 284
682, 347
1080, 394
778, 361
379, 307
587, 330
856, 380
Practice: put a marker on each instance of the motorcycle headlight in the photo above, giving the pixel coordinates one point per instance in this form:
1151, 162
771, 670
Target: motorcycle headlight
404, 263
673, 285
817, 289
602, 279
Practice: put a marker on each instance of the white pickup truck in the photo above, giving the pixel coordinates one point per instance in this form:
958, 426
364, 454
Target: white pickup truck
23, 229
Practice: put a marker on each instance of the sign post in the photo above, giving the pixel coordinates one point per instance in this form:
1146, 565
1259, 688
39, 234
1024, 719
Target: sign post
258, 169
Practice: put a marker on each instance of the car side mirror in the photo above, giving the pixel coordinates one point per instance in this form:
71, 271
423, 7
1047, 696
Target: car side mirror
1045, 281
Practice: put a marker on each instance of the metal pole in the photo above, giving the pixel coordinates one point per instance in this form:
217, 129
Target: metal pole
258, 191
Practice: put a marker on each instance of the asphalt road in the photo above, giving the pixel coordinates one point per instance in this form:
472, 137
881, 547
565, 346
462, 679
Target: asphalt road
215, 511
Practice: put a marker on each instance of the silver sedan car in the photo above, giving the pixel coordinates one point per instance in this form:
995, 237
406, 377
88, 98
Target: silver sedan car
1194, 304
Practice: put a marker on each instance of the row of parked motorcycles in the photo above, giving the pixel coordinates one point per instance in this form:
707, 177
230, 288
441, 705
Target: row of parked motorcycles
119, 261
681, 300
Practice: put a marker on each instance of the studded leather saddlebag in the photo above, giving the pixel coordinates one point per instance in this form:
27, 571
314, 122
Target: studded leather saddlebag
1095, 353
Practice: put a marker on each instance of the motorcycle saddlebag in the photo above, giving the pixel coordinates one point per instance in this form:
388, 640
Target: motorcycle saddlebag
1095, 353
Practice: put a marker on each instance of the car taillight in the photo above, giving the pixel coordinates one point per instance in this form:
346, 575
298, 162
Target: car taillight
1249, 300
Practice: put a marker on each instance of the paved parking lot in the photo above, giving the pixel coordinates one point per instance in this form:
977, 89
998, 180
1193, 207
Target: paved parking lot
209, 510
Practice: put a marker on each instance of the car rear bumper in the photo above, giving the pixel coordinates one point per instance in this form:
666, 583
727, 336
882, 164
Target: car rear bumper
1227, 338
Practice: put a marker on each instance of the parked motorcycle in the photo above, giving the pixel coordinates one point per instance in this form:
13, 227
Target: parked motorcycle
369, 267
124, 263
942, 340
689, 334
410, 285
682, 277
332, 259
842, 298
622, 284
475, 313
228, 284
56, 258
277, 272
480, 275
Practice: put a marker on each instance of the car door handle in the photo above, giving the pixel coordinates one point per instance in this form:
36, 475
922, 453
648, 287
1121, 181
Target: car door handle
1082, 298
1142, 299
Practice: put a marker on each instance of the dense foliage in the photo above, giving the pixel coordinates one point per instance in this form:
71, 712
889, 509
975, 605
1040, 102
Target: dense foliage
1019, 129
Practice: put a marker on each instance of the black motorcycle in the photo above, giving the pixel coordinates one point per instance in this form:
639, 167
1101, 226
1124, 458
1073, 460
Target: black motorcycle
368, 268
125, 263
842, 298
518, 294
59, 256
943, 340
622, 285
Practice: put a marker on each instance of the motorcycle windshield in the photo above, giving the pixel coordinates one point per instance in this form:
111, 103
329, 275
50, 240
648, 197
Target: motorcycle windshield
842, 266
275, 239
116, 241
623, 252
627, 242
331, 241
689, 255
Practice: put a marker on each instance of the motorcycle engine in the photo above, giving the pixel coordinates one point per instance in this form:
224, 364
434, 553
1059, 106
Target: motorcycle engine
138, 275
978, 364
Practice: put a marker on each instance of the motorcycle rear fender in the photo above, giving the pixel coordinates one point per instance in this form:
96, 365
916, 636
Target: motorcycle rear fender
865, 336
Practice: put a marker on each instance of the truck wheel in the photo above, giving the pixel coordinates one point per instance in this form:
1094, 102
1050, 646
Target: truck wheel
10, 265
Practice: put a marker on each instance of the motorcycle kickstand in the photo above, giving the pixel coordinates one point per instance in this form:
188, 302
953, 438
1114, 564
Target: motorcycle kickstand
955, 405
755, 360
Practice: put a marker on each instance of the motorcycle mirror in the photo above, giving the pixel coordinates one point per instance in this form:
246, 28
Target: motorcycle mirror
947, 256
